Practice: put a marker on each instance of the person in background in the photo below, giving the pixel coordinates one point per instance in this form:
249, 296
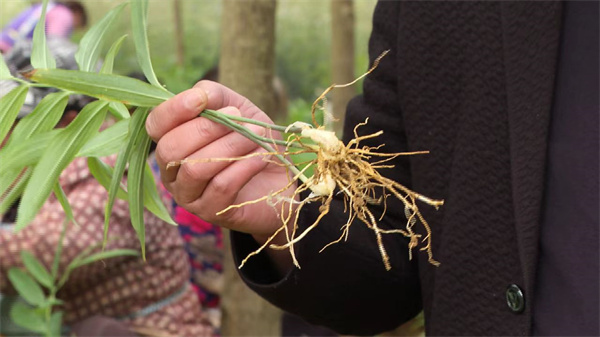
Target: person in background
122, 295
62, 18
504, 95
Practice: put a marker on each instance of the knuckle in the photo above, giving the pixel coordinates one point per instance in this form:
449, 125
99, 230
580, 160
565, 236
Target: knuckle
220, 186
165, 150
203, 127
191, 172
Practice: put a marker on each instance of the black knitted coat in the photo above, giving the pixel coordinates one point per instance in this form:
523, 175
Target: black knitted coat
472, 82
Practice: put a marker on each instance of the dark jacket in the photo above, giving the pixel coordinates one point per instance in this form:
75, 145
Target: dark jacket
472, 82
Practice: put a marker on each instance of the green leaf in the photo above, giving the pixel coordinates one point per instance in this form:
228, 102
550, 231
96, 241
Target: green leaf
64, 202
109, 60
92, 42
55, 323
40, 54
135, 126
78, 262
36, 269
17, 155
135, 187
58, 253
27, 317
103, 173
44, 117
152, 200
13, 192
60, 152
139, 15
119, 110
108, 87
26, 287
10, 105
4, 72
106, 142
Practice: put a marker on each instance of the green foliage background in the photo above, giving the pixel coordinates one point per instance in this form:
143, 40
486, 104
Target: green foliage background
303, 41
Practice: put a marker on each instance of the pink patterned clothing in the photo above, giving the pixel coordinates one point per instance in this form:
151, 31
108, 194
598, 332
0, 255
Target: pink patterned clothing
126, 288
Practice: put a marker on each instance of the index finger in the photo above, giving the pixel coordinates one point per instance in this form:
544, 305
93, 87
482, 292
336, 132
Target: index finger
220, 96
175, 111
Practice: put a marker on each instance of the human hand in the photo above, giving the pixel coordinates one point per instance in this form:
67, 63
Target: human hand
206, 188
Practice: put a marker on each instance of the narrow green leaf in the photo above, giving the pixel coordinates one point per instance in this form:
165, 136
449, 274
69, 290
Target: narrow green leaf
60, 152
36, 269
27, 317
109, 60
135, 187
4, 72
107, 142
103, 173
58, 252
26, 286
119, 110
18, 155
108, 87
40, 54
64, 202
152, 200
139, 15
11, 193
10, 105
135, 127
91, 44
55, 323
102, 256
44, 117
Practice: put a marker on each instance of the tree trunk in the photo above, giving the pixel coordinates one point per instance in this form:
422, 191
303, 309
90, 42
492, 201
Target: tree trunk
247, 66
342, 58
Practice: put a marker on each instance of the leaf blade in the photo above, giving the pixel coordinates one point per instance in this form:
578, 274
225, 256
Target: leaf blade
135, 126
152, 200
36, 269
139, 15
108, 87
40, 53
107, 142
44, 116
64, 202
103, 173
4, 71
61, 151
135, 187
109, 59
101, 256
10, 105
27, 317
91, 44
26, 286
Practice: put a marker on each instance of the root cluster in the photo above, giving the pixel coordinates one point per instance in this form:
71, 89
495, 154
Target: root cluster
350, 170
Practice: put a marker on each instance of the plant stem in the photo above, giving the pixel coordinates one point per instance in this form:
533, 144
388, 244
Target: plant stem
252, 121
244, 131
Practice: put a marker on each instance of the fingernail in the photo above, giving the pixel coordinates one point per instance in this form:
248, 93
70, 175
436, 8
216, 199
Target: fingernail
193, 99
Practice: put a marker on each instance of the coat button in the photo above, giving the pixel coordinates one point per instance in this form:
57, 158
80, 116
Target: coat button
515, 299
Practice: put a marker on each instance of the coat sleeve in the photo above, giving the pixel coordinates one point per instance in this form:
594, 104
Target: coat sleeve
346, 287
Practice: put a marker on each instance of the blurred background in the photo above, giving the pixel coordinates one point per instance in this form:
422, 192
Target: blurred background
185, 41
